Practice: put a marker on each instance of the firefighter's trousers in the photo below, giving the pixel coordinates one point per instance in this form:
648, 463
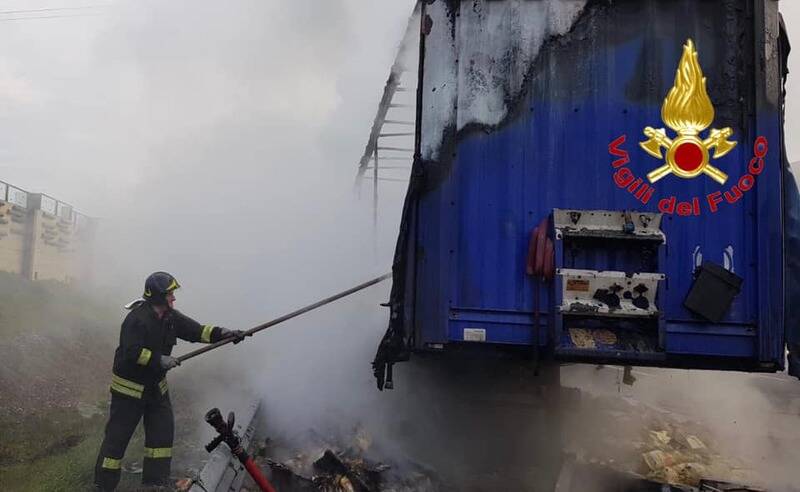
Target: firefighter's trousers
154, 406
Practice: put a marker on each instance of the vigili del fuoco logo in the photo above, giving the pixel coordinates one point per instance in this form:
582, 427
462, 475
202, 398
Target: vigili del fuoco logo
688, 111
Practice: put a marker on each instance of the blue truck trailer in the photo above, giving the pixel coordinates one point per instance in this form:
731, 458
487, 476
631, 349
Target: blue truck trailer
599, 181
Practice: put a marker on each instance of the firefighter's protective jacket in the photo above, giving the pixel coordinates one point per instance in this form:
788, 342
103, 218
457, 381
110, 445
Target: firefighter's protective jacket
144, 338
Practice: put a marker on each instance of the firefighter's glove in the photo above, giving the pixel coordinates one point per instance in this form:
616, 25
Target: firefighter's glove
168, 362
237, 335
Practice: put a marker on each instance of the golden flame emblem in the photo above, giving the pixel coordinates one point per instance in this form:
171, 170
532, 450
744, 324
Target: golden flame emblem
688, 111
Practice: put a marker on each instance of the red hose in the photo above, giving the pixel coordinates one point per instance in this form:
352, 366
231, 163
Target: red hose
258, 477
540, 261
530, 261
540, 264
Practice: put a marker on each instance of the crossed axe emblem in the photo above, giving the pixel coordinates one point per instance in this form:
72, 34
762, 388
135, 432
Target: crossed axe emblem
688, 110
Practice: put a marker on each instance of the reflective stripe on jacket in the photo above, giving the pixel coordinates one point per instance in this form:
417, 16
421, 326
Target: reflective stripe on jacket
144, 338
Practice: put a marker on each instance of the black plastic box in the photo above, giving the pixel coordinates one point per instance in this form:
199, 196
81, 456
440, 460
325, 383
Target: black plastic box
713, 291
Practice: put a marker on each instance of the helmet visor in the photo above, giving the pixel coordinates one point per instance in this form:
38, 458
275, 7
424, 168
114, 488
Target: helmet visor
173, 286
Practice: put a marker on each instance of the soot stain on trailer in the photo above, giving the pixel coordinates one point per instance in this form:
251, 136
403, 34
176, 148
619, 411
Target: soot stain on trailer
615, 23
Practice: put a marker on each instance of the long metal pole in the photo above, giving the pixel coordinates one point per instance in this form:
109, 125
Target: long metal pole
287, 317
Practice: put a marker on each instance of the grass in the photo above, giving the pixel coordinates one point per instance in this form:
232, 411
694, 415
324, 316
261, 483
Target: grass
66, 468
55, 346
54, 450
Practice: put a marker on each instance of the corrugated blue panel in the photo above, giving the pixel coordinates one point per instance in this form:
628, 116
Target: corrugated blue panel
710, 340
433, 287
502, 327
605, 79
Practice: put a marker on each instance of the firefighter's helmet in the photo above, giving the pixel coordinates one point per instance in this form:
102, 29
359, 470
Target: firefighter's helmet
158, 285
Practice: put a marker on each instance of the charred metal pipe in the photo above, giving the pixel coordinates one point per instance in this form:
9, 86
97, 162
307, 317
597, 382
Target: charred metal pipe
286, 317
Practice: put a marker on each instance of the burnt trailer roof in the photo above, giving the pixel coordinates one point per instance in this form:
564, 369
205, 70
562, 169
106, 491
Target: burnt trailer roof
529, 107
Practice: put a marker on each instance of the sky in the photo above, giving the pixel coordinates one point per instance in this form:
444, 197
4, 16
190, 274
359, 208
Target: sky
215, 140
96, 103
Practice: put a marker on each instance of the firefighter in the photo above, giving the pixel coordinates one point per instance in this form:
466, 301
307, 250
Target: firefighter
139, 385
